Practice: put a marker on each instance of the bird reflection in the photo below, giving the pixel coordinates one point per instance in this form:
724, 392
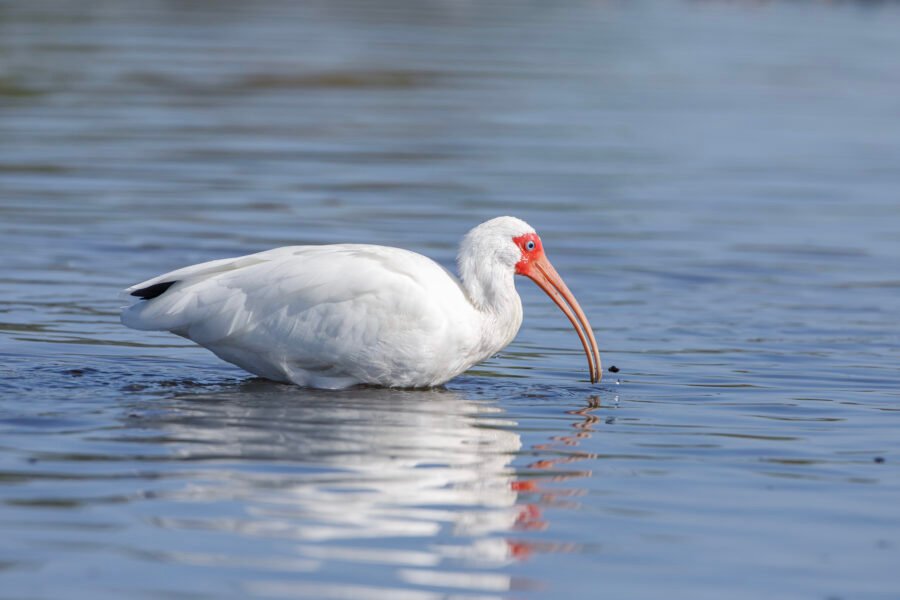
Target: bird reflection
531, 516
338, 473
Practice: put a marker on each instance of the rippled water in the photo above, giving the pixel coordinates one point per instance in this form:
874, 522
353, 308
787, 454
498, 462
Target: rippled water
718, 183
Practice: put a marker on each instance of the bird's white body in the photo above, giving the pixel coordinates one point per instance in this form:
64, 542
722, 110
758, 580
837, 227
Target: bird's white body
338, 315
330, 316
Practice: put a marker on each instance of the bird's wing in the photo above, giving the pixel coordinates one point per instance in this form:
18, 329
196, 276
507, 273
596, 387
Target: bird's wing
201, 271
349, 304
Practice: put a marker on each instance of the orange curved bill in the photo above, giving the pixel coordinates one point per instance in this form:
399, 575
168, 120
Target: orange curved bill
546, 277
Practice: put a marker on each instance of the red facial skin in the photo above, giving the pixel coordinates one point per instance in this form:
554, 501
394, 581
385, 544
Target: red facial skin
523, 267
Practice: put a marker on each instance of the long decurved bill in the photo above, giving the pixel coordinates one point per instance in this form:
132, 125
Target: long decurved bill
546, 277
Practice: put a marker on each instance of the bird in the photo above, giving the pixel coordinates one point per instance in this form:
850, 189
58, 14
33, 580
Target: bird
338, 315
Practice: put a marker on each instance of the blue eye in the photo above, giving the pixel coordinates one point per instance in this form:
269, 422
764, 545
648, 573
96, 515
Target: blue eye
529, 245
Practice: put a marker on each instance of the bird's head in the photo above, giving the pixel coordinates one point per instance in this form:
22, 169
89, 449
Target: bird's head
501, 247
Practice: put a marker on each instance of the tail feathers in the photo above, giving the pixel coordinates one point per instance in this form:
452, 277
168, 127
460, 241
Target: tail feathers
160, 306
191, 273
162, 312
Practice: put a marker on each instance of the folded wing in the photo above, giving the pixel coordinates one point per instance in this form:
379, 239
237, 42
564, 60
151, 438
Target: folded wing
345, 311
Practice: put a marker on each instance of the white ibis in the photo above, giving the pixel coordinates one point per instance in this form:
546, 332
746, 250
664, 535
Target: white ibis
338, 315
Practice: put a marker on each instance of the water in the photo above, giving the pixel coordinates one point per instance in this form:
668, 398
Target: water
717, 182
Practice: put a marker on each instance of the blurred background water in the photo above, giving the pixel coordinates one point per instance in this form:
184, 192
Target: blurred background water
717, 182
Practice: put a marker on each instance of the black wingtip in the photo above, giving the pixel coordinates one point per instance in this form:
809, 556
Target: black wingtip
153, 291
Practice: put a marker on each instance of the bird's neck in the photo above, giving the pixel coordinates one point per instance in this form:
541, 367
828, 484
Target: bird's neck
492, 291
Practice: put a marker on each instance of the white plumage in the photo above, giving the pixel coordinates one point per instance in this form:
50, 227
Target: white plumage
337, 315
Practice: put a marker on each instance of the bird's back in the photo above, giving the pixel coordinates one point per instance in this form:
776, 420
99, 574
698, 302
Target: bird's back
325, 316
